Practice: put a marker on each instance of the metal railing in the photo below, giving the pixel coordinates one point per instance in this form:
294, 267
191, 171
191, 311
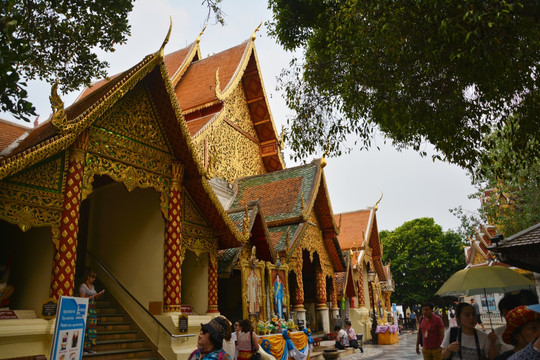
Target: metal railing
136, 301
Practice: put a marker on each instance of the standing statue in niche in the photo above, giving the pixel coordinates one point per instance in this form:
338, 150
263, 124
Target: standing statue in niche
278, 296
253, 292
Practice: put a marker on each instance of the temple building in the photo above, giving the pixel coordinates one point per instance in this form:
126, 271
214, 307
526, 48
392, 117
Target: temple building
167, 180
366, 284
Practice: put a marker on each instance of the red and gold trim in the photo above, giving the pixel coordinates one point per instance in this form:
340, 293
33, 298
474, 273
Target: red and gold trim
63, 277
212, 283
321, 289
173, 242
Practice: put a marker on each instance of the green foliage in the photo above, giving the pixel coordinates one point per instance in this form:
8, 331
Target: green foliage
422, 258
447, 72
50, 40
509, 193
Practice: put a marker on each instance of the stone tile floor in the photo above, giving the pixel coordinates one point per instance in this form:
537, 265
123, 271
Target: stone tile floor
405, 349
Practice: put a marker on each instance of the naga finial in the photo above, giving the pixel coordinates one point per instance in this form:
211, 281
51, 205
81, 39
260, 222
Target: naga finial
59, 118
254, 35
161, 51
217, 90
378, 201
202, 32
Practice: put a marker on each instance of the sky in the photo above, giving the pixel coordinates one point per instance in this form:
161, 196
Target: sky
412, 186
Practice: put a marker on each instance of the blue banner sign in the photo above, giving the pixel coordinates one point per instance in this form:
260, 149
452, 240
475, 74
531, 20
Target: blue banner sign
69, 328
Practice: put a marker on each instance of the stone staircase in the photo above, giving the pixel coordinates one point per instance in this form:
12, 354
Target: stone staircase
118, 336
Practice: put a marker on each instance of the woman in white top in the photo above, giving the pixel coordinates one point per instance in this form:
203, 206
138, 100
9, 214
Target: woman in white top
469, 344
87, 290
246, 340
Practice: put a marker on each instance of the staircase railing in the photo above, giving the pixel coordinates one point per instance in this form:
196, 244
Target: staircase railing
135, 299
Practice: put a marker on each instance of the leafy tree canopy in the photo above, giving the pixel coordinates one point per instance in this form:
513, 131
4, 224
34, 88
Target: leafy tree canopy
422, 258
509, 195
50, 40
447, 72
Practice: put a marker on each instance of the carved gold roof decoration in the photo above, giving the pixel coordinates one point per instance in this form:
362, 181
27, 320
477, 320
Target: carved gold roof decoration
53, 137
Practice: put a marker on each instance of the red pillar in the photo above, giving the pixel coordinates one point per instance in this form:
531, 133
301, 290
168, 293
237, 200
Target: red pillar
212, 283
173, 242
63, 277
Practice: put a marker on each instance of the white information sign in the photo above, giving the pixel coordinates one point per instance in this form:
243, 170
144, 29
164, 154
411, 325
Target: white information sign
69, 328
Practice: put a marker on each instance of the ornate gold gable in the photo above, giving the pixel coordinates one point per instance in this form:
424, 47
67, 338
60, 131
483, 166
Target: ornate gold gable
313, 242
230, 142
128, 144
197, 235
34, 196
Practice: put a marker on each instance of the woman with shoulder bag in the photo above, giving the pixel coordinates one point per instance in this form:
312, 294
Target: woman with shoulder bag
247, 342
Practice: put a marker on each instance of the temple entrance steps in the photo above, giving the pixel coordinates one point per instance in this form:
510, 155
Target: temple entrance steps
118, 336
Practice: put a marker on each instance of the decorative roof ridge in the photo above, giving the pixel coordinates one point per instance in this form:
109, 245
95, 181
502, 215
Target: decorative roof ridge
75, 126
259, 73
369, 226
201, 106
240, 69
273, 173
238, 73
354, 212
200, 168
332, 216
295, 238
195, 49
314, 189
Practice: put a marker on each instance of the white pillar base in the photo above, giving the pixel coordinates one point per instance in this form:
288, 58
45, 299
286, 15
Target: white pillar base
324, 320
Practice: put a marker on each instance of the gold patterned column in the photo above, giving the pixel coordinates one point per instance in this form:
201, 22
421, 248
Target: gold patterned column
321, 289
361, 293
173, 243
63, 277
212, 283
334, 294
299, 291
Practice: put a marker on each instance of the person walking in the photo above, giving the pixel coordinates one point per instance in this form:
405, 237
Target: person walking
246, 341
413, 320
478, 315
430, 334
465, 343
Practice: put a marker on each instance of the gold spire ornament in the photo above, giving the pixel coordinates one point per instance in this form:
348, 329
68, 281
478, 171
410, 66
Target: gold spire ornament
254, 35
376, 207
161, 52
198, 40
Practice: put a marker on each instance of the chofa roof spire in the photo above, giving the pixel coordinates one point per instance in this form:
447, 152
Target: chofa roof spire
161, 52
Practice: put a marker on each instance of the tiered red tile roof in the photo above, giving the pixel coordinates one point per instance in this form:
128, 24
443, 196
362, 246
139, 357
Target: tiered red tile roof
9, 132
352, 229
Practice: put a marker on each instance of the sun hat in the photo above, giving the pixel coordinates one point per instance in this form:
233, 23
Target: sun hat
516, 318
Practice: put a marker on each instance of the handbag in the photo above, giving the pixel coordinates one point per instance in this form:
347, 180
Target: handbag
254, 355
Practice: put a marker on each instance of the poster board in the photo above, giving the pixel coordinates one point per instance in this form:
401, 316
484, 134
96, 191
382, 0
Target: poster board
278, 289
253, 294
68, 336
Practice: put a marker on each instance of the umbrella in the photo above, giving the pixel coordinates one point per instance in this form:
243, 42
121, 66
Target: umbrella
483, 280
